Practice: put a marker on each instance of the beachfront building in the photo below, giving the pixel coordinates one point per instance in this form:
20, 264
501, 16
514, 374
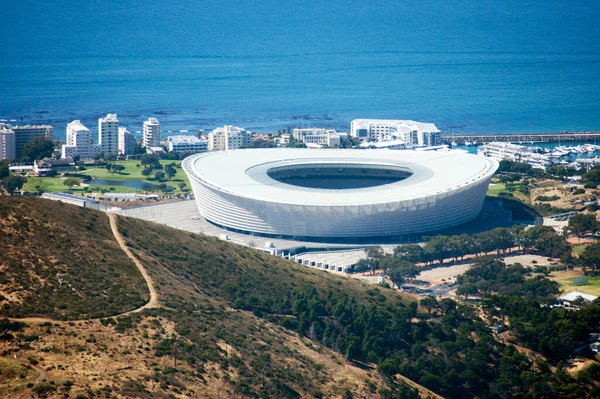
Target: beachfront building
228, 138
186, 144
516, 153
25, 133
319, 136
127, 142
108, 134
79, 142
151, 133
7, 142
410, 132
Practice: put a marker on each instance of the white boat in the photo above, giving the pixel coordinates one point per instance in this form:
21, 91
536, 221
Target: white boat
468, 142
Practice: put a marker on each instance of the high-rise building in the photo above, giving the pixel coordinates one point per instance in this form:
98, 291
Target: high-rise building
127, 142
79, 142
151, 133
7, 142
108, 134
410, 132
228, 138
25, 133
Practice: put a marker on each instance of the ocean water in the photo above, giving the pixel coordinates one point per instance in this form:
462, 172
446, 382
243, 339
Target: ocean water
487, 66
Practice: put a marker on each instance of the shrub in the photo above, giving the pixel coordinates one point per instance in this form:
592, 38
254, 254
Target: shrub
544, 198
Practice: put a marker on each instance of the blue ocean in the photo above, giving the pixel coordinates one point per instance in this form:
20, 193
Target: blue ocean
467, 66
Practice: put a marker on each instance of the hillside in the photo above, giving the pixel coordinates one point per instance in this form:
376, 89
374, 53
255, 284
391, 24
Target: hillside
235, 322
63, 262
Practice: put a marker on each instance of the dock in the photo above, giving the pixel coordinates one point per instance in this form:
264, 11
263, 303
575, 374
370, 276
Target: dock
525, 138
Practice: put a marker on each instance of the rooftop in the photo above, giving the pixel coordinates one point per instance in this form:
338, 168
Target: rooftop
571, 296
245, 173
185, 139
399, 124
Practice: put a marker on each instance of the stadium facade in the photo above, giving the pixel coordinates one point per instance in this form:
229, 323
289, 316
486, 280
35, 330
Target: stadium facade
338, 194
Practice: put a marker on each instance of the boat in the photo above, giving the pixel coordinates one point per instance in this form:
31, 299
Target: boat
467, 142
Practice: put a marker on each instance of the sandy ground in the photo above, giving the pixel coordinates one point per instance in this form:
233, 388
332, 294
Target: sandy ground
438, 275
527, 260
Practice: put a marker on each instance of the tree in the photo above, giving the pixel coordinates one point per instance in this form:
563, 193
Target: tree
399, 270
147, 172
149, 159
582, 223
13, 184
182, 186
117, 168
590, 257
38, 148
170, 171
429, 303
159, 175
70, 182
4, 171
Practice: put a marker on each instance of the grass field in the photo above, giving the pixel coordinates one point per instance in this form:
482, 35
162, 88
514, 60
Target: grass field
578, 249
131, 173
565, 279
496, 188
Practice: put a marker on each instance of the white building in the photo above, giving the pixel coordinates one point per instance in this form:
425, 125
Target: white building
186, 144
127, 142
108, 134
569, 300
79, 142
73, 200
410, 132
151, 133
326, 137
228, 138
7, 143
25, 133
516, 153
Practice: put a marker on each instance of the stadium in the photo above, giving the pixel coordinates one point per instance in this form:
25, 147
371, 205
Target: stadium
333, 195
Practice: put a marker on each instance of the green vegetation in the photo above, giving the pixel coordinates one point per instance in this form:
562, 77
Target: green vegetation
63, 261
553, 332
545, 198
135, 170
243, 317
496, 188
38, 148
448, 349
567, 284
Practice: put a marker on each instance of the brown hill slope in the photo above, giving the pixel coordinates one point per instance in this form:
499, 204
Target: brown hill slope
195, 345
63, 261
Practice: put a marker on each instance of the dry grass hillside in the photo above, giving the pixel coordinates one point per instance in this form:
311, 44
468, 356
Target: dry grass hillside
63, 262
194, 345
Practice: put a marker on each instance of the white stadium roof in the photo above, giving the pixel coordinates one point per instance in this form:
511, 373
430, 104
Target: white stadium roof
244, 173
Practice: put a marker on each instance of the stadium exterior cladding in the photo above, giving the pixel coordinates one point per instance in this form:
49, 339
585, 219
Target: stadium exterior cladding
235, 190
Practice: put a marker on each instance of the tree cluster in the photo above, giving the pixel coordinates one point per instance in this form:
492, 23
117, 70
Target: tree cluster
542, 240
506, 292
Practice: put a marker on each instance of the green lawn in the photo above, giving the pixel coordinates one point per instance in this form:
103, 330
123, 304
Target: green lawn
496, 188
131, 173
578, 249
566, 284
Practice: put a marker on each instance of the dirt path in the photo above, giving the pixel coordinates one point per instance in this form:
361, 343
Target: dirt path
152, 303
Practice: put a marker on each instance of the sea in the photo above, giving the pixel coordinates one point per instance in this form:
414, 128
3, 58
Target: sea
467, 66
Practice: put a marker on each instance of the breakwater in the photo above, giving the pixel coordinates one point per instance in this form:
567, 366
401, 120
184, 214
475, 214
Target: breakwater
466, 139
